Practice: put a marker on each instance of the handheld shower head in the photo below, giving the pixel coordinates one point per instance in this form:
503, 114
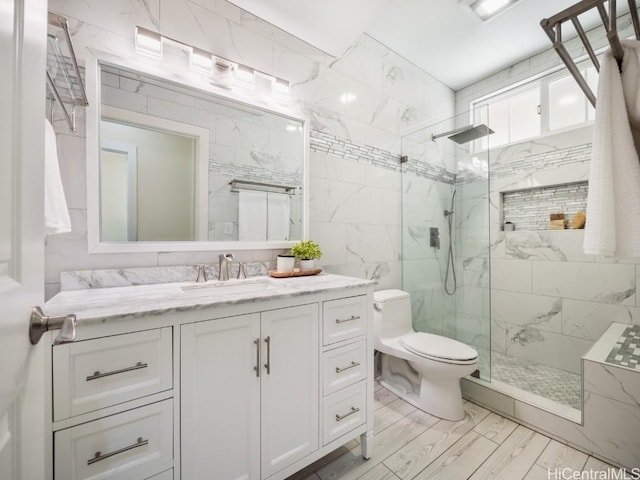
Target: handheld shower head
450, 211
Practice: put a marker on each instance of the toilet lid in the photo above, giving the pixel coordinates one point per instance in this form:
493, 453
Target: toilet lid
438, 347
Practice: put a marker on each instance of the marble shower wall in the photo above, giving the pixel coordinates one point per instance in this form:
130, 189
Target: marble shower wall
549, 301
355, 203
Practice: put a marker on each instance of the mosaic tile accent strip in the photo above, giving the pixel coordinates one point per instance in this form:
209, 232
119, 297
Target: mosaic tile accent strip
522, 165
332, 145
530, 209
557, 385
255, 173
626, 351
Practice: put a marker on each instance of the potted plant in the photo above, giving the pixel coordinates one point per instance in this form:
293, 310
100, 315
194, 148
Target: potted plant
307, 251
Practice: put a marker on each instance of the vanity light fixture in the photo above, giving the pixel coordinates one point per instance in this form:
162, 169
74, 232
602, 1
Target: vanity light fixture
149, 43
245, 76
486, 9
222, 72
281, 88
201, 61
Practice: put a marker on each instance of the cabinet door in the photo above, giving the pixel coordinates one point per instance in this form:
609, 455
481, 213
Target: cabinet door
289, 387
220, 399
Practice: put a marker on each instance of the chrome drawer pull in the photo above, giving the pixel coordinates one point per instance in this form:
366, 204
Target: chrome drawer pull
342, 417
99, 456
351, 319
97, 375
353, 364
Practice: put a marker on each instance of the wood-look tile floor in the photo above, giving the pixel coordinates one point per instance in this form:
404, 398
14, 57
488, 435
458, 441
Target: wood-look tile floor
411, 444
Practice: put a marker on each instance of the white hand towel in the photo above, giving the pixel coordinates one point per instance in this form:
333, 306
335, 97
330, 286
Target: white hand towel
278, 214
252, 216
56, 213
613, 203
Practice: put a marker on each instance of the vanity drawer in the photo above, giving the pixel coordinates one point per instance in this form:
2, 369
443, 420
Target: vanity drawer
343, 411
94, 374
343, 319
166, 475
344, 366
133, 444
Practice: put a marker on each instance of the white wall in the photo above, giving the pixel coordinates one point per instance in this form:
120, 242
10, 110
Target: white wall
392, 96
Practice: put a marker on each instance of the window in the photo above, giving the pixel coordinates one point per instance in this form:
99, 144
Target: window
548, 104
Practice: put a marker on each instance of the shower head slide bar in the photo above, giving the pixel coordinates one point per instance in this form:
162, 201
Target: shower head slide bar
553, 28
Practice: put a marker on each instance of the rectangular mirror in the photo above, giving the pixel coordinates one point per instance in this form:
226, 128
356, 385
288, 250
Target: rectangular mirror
177, 165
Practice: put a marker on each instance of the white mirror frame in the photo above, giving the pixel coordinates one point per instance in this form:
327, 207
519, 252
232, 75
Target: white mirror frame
93, 61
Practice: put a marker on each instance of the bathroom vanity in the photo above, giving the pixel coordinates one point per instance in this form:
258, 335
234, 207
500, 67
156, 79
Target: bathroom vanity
252, 379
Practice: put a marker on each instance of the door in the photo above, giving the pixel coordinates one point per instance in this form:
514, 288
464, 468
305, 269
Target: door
220, 399
23, 27
289, 388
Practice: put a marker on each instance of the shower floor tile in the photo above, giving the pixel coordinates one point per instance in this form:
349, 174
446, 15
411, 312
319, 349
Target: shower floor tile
557, 385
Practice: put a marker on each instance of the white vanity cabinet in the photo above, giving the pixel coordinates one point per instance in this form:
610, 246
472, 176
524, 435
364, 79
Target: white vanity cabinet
249, 393
249, 386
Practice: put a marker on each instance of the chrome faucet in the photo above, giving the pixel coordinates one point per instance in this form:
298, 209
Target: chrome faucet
224, 259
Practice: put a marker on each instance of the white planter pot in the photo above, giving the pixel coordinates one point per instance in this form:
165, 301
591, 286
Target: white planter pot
285, 263
306, 265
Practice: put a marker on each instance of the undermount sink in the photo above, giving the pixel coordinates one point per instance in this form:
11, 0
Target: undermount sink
230, 287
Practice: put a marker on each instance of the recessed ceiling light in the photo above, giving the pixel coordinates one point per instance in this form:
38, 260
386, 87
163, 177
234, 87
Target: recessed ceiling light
347, 97
486, 9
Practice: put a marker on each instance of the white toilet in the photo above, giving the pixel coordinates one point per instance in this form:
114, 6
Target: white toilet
440, 362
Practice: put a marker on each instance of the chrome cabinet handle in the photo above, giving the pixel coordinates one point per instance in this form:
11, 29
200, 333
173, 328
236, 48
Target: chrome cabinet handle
268, 364
256, 342
99, 456
97, 375
342, 417
351, 319
342, 369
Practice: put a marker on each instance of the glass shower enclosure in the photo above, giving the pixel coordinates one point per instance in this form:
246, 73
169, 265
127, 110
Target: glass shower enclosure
445, 232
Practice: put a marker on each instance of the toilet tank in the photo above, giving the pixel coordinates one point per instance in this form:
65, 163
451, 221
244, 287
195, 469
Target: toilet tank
391, 314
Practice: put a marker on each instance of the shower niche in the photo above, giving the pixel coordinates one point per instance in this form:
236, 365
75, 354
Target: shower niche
530, 209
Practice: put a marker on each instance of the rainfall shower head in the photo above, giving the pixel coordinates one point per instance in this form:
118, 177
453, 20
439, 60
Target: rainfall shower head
465, 134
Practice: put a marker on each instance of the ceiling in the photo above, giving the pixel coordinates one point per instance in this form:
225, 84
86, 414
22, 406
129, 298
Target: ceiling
439, 36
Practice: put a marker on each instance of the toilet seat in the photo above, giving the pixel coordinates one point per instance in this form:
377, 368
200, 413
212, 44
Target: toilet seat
438, 348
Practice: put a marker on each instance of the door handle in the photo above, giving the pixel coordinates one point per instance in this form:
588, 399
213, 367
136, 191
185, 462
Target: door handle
40, 323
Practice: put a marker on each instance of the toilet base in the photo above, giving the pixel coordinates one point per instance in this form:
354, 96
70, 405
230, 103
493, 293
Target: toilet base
441, 398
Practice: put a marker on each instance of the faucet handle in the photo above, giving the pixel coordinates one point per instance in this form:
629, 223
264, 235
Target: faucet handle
242, 273
202, 274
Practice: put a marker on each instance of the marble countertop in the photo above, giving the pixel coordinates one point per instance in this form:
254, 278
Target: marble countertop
101, 304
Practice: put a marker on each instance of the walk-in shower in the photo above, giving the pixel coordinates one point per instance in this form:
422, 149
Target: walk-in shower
450, 287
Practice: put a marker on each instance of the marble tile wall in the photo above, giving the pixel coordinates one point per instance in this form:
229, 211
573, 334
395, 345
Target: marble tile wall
355, 206
550, 301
